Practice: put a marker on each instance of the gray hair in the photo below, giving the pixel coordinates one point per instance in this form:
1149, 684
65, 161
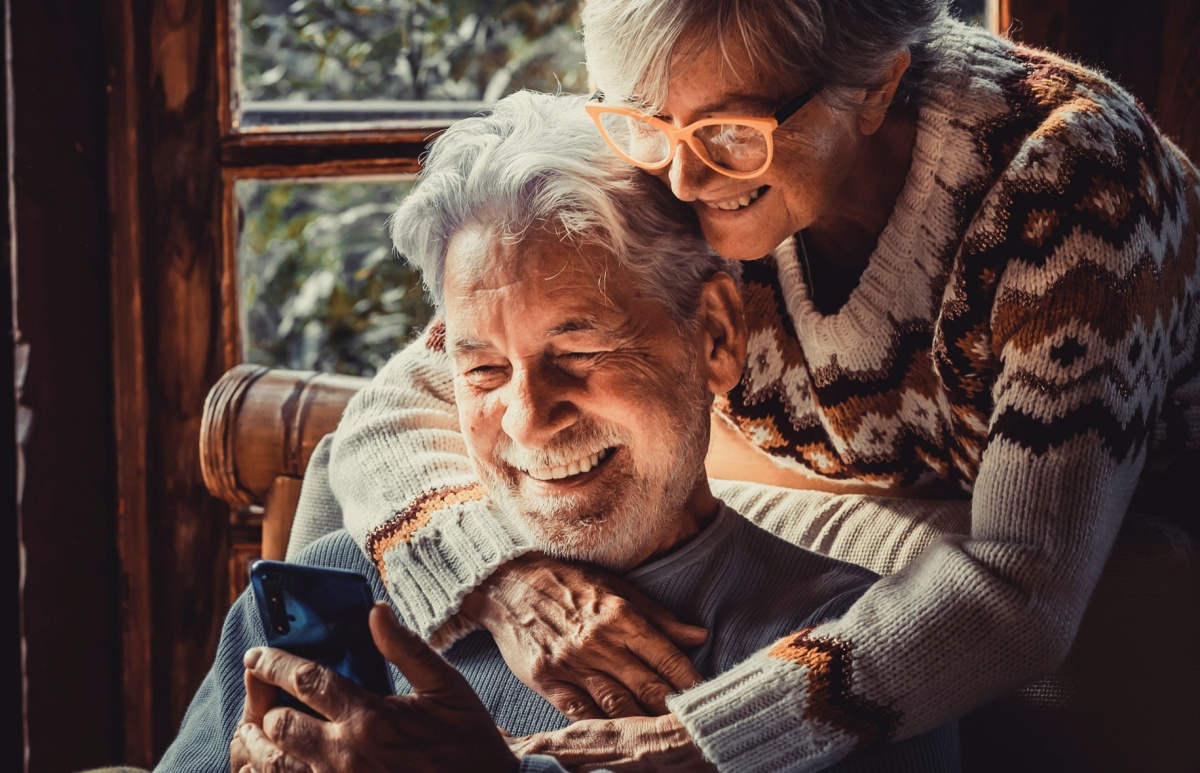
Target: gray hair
538, 161
844, 44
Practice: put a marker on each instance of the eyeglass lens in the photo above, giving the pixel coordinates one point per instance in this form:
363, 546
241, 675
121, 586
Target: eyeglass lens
732, 146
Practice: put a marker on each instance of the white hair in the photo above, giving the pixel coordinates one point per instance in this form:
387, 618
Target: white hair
538, 161
844, 44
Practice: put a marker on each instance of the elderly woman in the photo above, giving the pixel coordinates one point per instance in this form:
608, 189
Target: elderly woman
981, 273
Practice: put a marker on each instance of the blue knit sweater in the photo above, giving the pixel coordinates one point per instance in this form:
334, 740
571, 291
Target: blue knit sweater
746, 586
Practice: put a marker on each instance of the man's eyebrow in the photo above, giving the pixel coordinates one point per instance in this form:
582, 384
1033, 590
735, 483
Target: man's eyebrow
455, 345
573, 325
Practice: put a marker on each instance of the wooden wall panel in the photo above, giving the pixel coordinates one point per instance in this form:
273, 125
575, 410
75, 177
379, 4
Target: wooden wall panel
1148, 47
68, 589
1178, 109
14, 757
166, 199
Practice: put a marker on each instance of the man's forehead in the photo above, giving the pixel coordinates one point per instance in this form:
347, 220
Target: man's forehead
481, 259
544, 284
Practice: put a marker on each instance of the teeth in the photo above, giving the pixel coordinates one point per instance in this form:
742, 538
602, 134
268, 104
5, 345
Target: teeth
574, 468
731, 204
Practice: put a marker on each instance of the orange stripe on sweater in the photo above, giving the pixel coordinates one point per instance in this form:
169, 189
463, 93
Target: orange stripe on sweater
830, 701
398, 529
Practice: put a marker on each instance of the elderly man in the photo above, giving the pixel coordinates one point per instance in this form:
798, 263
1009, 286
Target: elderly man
590, 328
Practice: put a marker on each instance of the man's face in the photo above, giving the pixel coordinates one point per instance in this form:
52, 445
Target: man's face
583, 407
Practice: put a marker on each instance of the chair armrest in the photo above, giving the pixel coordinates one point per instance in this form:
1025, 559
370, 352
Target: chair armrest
260, 424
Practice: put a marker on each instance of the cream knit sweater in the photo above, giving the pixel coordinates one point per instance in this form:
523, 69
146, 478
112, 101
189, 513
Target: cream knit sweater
1026, 329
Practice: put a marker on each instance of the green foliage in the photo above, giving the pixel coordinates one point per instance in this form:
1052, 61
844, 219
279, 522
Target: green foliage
408, 49
321, 287
970, 11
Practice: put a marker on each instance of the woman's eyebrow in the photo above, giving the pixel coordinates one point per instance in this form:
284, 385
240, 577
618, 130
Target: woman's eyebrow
729, 103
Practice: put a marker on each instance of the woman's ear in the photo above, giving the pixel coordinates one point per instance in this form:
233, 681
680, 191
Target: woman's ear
877, 101
723, 332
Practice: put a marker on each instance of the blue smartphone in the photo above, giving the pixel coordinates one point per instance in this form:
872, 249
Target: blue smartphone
320, 614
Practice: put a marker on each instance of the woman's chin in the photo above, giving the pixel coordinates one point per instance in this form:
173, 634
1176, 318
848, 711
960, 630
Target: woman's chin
742, 236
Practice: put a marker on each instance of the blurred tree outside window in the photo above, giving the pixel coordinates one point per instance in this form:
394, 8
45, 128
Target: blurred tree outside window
977, 12
319, 286
398, 58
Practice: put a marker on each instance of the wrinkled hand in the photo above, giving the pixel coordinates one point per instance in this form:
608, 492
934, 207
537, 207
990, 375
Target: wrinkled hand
589, 643
441, 726
628, 745
260, 698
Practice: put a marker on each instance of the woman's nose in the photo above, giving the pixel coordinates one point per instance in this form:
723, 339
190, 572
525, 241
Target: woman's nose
687, 174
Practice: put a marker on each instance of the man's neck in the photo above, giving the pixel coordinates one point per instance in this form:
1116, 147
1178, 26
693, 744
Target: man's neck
696, 513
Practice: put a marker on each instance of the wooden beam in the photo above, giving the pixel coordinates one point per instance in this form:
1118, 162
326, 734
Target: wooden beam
1179, 86
165, 183
129, 380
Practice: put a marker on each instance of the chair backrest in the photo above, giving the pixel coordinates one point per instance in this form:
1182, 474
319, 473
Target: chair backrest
259, 428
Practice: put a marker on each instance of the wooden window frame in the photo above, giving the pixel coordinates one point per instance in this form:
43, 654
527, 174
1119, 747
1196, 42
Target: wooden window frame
287, 153
354, 151
175, 155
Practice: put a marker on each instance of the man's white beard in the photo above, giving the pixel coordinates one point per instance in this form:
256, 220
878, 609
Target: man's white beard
611, 530
615, 526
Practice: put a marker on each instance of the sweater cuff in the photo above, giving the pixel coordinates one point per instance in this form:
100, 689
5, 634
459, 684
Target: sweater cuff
751, 718
428, 576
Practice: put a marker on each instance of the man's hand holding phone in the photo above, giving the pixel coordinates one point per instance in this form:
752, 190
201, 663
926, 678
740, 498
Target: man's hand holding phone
441, 726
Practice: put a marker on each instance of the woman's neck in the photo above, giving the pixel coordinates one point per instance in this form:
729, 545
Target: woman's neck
839, 244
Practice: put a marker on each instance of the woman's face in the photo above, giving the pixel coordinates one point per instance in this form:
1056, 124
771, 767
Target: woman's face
814, 151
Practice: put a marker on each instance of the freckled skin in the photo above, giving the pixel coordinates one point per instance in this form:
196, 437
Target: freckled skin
550, 341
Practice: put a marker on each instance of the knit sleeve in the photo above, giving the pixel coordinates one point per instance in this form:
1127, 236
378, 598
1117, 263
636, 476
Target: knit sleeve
1071, 314
409, 494
212, 718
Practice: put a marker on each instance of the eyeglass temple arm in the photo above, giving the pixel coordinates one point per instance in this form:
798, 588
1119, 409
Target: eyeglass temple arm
792, 106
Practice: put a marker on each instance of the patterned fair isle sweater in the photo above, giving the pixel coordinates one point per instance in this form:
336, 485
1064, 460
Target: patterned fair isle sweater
1027, 329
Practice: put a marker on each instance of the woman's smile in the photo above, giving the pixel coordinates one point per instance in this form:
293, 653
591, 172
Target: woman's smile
736, 202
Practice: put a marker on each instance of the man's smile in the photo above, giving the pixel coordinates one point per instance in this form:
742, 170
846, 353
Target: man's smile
569, 475
569, 469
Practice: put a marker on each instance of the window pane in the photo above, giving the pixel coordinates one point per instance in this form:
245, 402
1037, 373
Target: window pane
320, 286
330, 61
973, 11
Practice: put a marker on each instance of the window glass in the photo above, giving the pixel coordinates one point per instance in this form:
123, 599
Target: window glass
973, 11
320, 286
336, 61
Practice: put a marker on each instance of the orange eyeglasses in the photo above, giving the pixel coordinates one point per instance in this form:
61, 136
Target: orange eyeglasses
735, 146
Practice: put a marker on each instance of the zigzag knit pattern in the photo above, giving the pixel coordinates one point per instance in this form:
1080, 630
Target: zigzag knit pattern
1028, 327
1043, 233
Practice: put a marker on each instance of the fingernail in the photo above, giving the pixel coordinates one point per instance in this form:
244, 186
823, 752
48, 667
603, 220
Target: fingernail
252, 657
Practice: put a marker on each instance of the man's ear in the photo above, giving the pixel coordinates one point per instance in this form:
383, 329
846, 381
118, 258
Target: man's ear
723, 332
877, 101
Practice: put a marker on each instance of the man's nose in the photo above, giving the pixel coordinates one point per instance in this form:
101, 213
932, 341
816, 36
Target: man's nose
538, 406
687, 173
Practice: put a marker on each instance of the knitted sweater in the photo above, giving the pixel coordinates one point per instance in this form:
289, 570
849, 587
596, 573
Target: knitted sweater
744, 584
1026, 328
